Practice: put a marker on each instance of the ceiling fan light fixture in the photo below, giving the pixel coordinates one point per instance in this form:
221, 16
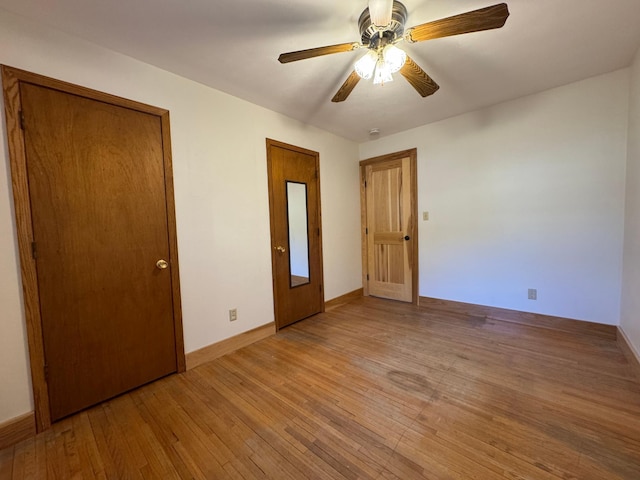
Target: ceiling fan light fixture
381, 64
366, 65
380, 12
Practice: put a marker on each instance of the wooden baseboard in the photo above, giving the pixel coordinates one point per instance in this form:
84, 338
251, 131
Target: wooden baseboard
229, 345
342, 299
524, 318
629, 351
17, 429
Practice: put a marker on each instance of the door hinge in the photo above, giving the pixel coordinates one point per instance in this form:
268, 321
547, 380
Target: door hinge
366, 231
21, 117
365, 184
318, 232
34, 251
46, 372
367, 277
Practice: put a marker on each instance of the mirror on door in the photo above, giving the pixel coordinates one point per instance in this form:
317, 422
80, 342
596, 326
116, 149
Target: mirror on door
298, 233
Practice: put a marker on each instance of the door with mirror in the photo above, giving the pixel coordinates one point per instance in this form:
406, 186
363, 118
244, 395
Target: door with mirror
296, 235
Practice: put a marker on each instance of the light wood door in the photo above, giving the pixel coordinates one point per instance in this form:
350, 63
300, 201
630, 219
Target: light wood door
389, 227
101, 246
296, 234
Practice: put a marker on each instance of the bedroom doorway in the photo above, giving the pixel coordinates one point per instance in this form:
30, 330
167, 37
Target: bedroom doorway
388, 192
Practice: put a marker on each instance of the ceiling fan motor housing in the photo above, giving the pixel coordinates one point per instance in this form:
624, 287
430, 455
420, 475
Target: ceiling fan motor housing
375, 37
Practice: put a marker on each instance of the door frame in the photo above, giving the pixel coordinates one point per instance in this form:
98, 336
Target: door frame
11, 79
412, 227
274, 143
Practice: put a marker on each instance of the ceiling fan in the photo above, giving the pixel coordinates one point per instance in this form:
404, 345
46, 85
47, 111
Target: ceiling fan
382, 27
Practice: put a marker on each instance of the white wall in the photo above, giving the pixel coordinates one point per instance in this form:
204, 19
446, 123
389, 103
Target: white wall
219, 156
525, 194
630, 316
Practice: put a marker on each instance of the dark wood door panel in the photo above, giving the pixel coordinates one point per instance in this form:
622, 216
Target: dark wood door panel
97, 192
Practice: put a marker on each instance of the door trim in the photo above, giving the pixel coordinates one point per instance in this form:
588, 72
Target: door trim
413, 227
274, 143
11, 79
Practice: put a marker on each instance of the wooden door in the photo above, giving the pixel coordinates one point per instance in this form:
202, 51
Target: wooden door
390, 233
296, 235
103, 244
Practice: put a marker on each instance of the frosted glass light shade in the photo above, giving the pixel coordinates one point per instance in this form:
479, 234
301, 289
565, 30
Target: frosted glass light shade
394, 58
380, 12
383, 74
366, 65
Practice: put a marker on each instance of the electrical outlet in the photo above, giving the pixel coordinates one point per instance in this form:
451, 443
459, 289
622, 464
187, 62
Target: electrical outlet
533, 294
233, 315
425, 216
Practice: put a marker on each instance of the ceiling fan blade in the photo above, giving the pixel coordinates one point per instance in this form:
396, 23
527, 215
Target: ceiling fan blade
346, 88
474, 21
418, 79
317, 52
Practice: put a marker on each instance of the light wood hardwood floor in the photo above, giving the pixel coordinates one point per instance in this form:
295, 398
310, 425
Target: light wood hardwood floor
373, 390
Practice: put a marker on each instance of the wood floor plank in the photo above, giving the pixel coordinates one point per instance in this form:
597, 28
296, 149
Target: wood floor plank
6, 462
88, 451
371, 389
31, 466
19, 460
192, 444
154, 414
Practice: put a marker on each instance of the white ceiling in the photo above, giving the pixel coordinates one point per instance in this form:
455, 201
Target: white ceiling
233, 46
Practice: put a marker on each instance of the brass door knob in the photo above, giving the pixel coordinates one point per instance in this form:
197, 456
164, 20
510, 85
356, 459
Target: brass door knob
162, 264
280, 249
